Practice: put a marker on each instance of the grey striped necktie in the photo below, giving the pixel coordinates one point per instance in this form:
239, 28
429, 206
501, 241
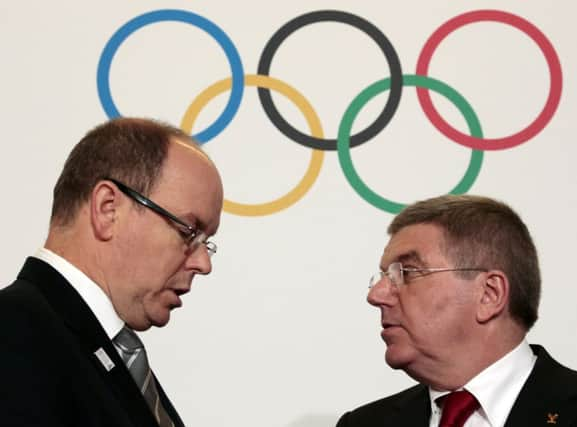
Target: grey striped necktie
132, 352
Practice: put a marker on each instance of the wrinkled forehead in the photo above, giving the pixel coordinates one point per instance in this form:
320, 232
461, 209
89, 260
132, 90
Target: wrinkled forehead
418, 243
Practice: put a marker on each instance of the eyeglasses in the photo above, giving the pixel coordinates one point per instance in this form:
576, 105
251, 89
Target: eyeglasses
192, 237
398, 274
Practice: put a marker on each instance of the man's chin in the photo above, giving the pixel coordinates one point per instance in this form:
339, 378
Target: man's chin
396, 358
151, 314
161, 319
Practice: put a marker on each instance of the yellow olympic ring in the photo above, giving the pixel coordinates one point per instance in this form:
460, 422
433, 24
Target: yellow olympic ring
317, 156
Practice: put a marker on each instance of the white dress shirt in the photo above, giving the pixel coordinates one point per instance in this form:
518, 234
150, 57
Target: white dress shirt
90, 292
496, 388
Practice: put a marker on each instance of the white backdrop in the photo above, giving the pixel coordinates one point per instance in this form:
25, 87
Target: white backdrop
280, 333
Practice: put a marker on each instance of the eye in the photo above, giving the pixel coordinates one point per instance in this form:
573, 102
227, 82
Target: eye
186, 234
411, 272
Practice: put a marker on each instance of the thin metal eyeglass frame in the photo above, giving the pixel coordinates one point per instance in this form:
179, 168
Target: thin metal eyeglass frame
145, 201
395, 272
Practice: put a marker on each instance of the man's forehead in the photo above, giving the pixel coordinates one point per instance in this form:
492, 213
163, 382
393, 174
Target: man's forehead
191, 146
189, 186
414, 242
186, 161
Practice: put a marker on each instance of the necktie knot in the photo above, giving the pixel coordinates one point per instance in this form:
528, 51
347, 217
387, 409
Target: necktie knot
457, 408
132, 352
128, 341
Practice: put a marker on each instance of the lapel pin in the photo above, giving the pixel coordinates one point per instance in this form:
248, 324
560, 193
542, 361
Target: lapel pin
104, 359
552, 418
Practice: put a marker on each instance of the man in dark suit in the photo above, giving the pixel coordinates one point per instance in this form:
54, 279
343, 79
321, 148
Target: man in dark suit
133, 208
458, 289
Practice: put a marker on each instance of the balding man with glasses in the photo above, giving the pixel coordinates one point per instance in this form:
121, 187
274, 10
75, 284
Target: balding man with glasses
133, 210
458, 288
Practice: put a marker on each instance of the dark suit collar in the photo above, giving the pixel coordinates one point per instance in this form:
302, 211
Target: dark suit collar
70, 306
167, 404
412, 408
549, 392
64, 299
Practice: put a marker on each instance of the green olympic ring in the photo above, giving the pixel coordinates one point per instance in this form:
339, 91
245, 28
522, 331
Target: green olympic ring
343, 142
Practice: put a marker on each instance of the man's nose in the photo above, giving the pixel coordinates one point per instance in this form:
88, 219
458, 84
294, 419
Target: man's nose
383, 292
198, 260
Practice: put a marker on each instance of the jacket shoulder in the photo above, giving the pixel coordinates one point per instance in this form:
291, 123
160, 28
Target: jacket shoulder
383, 412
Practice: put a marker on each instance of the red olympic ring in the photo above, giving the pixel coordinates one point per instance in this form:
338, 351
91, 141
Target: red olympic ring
556, 80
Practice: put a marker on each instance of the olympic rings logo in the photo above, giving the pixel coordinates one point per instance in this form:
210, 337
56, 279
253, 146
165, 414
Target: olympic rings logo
345, 141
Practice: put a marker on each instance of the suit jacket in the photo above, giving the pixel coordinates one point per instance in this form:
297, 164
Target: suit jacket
548, 398
49, 373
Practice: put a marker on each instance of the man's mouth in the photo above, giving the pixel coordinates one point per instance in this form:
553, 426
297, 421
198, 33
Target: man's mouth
388, 328
387, 325
176, 301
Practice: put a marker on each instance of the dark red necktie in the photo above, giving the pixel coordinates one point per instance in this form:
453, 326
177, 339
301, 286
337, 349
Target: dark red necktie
457, 408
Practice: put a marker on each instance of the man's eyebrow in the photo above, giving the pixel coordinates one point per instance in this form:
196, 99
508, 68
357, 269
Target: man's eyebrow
190, 219
405, 257
198, 224
410, 256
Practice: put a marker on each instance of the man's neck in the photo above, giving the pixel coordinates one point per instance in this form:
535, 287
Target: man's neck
469, 361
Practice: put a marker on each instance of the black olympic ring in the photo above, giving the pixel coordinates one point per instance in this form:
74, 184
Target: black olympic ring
373, 32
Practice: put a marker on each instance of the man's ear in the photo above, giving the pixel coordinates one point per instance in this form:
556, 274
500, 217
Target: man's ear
104, 203
494, 297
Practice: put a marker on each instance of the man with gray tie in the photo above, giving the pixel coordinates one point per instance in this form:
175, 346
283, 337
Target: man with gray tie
458, 288
132, 211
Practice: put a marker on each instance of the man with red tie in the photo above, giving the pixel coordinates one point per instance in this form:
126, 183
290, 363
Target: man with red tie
132, 211
458, 288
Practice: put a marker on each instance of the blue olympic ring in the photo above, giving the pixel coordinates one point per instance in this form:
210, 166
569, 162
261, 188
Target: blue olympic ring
233, 104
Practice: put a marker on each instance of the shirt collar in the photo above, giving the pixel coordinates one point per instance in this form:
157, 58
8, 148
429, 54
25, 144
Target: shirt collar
497, 386
91, 293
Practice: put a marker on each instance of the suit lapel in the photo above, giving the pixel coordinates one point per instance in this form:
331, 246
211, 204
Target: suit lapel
90, 335
167, 404
413, 409
549, 396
